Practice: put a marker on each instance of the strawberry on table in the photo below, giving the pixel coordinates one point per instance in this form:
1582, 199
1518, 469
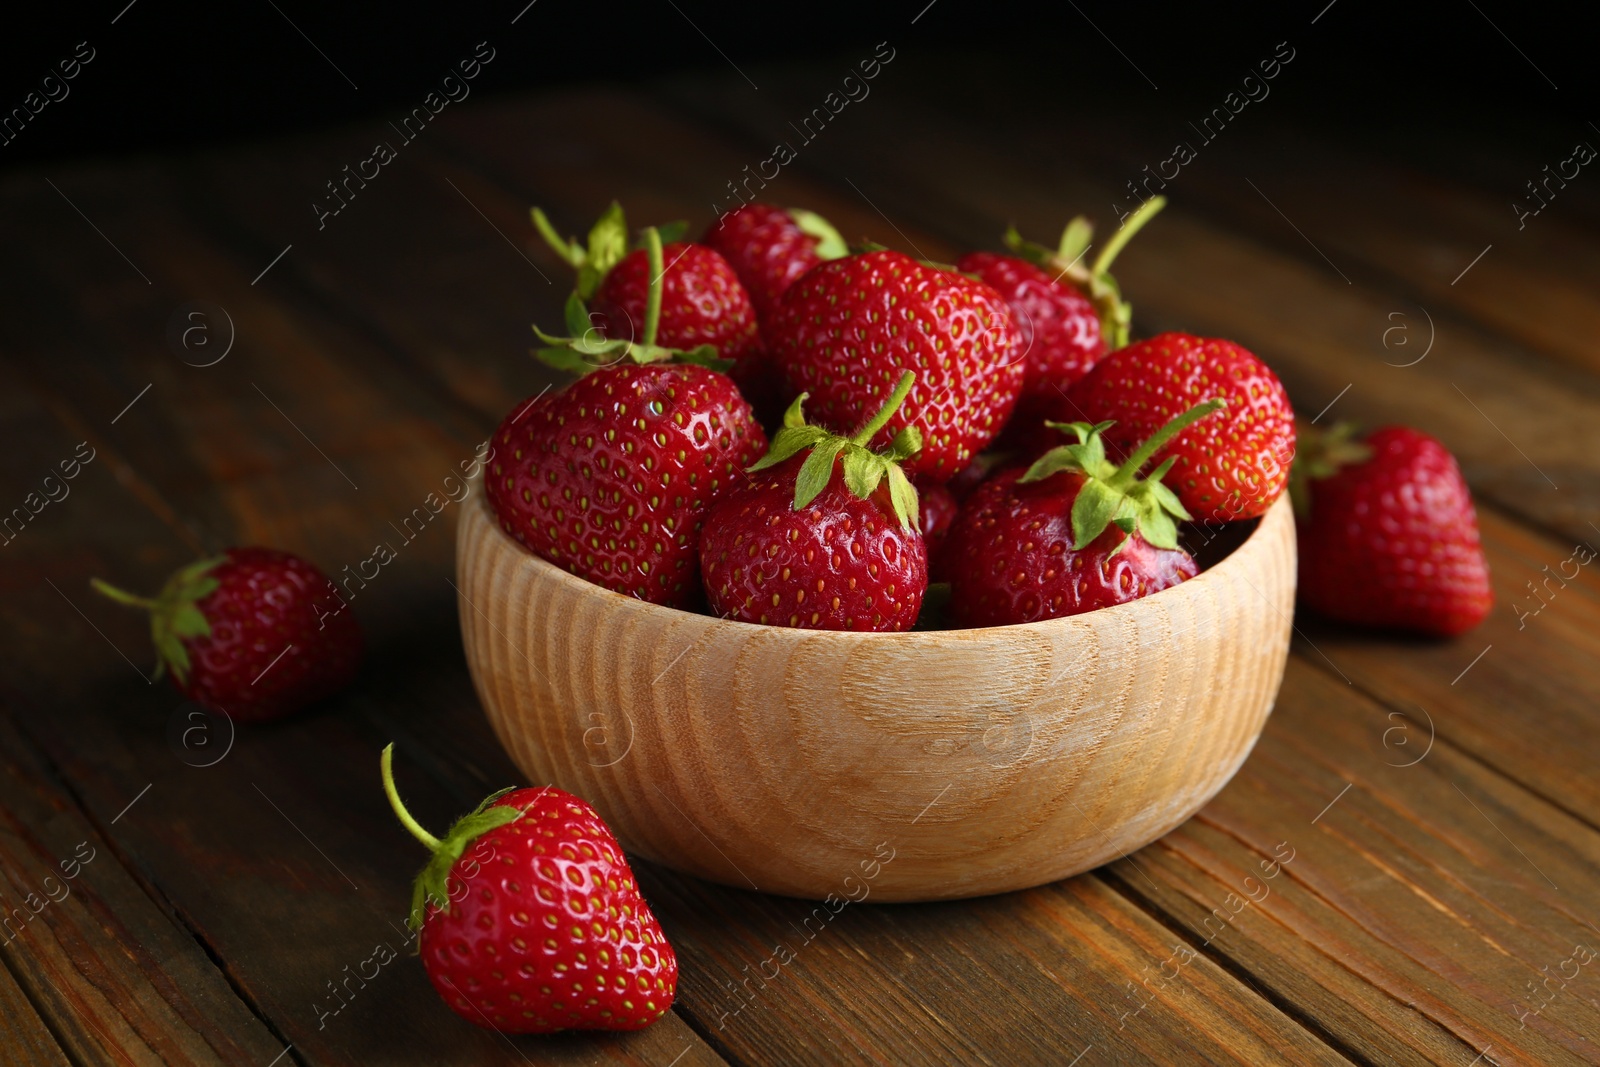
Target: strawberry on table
610, 477
253, 633
701, 300
1227, 468
830, 542
1387, 532
850, 327
531, 920
1072, 533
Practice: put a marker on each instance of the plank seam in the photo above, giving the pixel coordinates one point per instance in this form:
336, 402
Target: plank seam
152, 891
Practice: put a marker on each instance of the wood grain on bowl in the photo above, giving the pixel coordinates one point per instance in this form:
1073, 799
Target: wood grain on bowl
791, 760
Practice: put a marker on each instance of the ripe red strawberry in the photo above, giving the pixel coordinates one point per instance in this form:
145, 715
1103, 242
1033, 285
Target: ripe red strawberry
769, 248
850, 327
1060, 330
540, 926
1230, 467
253, 633
1387, 532
611, 477
1071, 534
937, 509
701, 301
1069, 314
807, 545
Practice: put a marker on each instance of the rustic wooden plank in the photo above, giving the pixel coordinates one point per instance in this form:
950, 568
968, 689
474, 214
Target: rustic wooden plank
1425, 892
254, 853
1416, 234
120, 981
1033, 977
27, 1036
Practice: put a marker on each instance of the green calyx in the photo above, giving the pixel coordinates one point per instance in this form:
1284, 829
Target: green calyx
432, 884
864, 470
1115, 495
587, 348
830, 245
607, 244
1094, 280
174, 612
1321, 454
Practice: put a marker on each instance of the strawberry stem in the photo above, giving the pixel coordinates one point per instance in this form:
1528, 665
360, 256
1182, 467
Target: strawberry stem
111, 592
890, 406
1129, 471
1125, 233
570, 251
652, 307
399, 808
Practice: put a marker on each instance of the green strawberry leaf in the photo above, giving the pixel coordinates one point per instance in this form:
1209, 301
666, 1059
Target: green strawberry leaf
830, 245
862, 470
903, 495
817, 471
787, 442
577, 317
671, 231
1096, 505
1075, 240
608, 243
795, 415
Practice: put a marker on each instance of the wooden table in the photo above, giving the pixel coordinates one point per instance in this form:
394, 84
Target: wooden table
1439, 799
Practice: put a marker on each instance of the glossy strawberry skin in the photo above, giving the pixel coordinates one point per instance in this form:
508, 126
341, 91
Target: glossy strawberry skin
702, 302
546, 929
766, 249
847, 330
1058, 325
840, 563
281, 638
611, 477
1230, 466
936, 511
1393, 542
1009, 556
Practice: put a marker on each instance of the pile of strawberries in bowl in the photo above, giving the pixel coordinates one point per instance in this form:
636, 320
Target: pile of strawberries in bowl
777, 428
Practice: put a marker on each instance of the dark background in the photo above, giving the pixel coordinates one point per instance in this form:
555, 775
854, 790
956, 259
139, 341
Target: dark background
174, 74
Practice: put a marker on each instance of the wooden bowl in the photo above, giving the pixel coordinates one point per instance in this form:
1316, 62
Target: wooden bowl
914, 766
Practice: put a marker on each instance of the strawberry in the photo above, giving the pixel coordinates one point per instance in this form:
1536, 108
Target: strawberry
937, 507
850, 327
701, 301
1072, 533
769, 248
1387, 532
541, 927
610, 478
800, 545
1227, 468
1068, 315
253, 633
